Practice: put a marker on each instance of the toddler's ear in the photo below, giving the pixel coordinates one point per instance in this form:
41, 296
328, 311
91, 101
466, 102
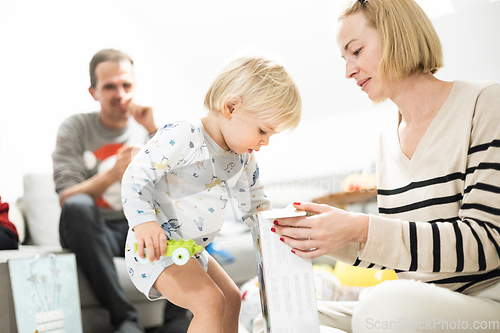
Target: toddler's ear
231, 104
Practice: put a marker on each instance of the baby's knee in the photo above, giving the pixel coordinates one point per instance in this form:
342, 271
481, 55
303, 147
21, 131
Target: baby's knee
212, 300
233, 297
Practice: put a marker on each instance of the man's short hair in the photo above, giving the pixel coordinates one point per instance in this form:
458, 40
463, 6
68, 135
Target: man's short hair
103, 56
409, 42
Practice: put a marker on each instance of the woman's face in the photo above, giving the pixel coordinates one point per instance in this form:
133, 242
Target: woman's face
359, 45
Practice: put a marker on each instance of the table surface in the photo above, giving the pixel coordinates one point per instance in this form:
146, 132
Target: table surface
348, 198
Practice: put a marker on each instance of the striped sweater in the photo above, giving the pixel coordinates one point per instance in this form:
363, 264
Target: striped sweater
439, 213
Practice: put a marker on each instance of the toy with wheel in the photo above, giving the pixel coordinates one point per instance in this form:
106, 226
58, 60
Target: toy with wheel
180, 251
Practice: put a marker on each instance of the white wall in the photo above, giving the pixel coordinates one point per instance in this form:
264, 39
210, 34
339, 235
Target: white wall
179, 45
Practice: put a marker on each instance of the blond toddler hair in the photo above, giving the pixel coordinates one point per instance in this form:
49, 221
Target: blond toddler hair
264, 87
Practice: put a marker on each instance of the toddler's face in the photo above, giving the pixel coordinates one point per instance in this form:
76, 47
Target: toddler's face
247, 131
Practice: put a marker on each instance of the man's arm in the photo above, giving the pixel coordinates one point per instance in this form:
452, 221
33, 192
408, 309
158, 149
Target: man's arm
97, 184
94, 186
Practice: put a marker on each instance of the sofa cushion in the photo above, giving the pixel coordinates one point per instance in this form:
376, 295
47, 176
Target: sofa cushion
41, 209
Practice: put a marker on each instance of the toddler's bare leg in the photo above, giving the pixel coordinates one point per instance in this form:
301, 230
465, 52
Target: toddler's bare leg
231, 293
190, 287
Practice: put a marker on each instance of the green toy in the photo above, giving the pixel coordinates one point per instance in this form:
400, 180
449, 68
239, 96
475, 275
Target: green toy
180, 251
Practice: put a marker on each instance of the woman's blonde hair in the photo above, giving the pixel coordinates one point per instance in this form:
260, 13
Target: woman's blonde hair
263, 86
409, 42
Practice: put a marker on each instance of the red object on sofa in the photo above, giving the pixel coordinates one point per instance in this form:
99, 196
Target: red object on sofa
4, 217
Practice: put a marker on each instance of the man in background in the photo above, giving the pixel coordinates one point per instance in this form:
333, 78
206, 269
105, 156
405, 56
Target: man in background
92, 152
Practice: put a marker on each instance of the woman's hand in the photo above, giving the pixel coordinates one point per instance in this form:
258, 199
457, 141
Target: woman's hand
150, 235
328, 230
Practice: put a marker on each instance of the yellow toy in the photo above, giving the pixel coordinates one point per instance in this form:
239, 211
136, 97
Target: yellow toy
361, 277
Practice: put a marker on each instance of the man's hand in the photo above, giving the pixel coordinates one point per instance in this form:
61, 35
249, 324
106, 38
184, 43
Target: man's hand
150, 235
143, 115
96, 185
123, 159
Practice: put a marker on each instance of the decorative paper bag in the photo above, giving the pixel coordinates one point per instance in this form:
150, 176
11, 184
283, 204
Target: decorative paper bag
45, 292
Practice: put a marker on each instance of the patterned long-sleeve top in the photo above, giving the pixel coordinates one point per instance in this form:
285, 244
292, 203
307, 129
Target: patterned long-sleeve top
185, 182
439, 212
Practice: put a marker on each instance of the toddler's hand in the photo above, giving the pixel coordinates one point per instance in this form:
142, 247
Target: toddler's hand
150, 235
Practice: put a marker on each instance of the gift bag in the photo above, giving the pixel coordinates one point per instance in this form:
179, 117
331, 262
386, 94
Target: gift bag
45, 293
286, 281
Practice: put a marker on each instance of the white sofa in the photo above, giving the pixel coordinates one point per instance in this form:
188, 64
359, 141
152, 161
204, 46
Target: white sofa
37, 222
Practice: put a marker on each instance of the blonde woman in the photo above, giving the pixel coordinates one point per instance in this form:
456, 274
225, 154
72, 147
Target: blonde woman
438, 177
